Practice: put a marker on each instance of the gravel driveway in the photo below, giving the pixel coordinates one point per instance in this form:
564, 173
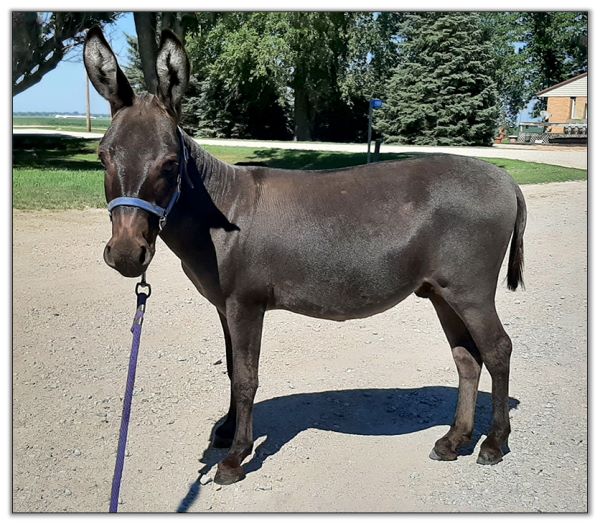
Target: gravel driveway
346, 412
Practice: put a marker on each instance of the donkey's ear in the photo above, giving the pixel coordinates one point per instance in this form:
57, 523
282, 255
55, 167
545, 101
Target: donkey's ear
173, 71
104, 71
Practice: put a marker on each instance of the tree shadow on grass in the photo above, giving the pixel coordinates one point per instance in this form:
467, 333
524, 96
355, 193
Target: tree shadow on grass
54, 152
373, 412
294, 159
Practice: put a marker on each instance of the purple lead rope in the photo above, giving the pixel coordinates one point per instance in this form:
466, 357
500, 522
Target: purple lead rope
136, 329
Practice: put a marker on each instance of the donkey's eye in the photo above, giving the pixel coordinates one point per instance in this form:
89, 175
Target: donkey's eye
169, 168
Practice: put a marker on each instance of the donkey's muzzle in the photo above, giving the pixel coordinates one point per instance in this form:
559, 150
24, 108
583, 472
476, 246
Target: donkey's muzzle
128, 257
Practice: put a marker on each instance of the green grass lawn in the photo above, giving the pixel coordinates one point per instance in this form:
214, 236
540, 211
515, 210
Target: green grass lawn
61, 124
534, 173
60, 173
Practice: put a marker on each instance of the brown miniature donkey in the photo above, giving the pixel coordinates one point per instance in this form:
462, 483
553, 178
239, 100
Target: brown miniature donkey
337, 244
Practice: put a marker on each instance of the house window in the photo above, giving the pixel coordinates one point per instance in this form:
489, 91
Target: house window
585, 112
573, 107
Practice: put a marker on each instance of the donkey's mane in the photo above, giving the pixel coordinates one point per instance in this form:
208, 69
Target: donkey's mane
203, 164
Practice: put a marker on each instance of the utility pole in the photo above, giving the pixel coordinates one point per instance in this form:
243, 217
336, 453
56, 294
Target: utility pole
88, 116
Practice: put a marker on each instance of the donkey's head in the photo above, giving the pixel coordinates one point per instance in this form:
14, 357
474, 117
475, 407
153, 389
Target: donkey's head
141, 151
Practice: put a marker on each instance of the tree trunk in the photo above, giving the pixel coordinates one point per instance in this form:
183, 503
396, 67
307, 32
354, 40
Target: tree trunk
303, 128
145, 27
174, 22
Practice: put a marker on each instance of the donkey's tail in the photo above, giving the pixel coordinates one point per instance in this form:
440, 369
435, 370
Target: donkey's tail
515, 260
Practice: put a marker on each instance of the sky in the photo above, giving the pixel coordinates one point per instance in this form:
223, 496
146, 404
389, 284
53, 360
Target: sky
63, 89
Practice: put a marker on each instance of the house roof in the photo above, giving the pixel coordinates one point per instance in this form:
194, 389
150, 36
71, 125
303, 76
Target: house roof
576, 86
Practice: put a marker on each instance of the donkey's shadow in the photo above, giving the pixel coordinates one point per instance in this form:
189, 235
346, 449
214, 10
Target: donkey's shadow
373, 412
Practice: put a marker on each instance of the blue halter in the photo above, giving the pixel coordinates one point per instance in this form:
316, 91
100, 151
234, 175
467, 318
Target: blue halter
154, 209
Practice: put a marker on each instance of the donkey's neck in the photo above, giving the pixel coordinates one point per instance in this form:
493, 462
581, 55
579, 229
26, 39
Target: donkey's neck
209, 204
217, 177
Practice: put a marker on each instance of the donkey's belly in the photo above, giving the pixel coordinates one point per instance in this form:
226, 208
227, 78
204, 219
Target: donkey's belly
332, 310
356, 294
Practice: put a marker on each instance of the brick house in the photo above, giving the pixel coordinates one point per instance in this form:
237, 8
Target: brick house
567, 102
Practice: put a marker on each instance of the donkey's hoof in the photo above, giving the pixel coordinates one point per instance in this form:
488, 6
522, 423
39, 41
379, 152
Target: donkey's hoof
434, 456
447, 456
489, 457
226, 475
221, 442
490, 452
443, 450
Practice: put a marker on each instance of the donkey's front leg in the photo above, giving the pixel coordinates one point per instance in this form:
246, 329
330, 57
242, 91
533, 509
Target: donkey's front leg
245, 328
223, 437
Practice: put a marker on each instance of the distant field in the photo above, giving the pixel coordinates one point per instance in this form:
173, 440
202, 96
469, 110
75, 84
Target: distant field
51, 173
60, 124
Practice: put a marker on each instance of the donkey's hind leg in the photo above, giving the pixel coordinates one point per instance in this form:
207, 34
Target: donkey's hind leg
481, 319
468, 363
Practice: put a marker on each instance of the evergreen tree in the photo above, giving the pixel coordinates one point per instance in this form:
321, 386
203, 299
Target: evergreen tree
442, 93
133, 69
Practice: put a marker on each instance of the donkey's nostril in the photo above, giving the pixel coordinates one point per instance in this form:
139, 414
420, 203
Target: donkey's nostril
143, 255
108, 257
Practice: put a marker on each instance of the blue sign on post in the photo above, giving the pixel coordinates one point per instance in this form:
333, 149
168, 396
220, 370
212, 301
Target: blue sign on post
375, 103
